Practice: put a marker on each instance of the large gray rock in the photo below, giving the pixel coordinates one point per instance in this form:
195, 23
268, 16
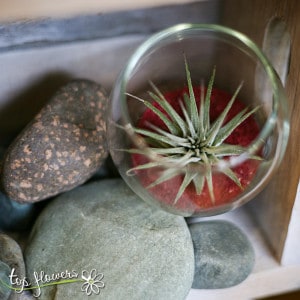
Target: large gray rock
143, 252
61, 148
224, 256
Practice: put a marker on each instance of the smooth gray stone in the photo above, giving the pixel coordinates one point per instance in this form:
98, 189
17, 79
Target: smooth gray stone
9, 294
4, 279
11, 254
143, 252
224, 256
61, 148
14, 215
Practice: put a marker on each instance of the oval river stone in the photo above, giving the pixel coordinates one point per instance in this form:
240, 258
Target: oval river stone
61, 148
12, 256
143, 252
224, 256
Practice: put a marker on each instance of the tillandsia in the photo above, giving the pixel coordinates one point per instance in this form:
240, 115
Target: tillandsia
191, 141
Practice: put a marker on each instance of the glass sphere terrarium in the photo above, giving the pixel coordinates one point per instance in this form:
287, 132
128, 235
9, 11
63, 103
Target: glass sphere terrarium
190, 128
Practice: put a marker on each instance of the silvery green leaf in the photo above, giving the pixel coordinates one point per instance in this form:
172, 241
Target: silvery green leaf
229, 173
206, 109
170, 125
156, 136
209, 181
168, 151
188, 119
149, 165
220, 120
227, 129
181, 161
187, 103
208, 177
225, 150
161, 100
199, 183
166, 175
177, 139
193, 104
160, 151
201, 128
186, 181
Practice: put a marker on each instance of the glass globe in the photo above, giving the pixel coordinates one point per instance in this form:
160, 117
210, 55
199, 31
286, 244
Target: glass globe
197, 69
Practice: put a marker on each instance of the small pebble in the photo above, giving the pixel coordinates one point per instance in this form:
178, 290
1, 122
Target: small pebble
224, 256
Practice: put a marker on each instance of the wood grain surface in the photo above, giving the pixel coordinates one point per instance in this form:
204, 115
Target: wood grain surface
272, 208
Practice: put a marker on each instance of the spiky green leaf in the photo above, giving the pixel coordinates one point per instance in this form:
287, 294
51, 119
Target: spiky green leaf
156, 137
189, 122
149, 165
188, 178
206, 107
209, 181
170, 125
171, 112
225, 150
166, 175
227, 129
198, 182
220, 120
193, 105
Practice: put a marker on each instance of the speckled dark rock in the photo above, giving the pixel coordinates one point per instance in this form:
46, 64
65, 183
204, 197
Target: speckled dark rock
224, 256
61, 148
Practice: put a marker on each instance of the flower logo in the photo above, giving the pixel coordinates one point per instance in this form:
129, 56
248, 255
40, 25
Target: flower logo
93, 282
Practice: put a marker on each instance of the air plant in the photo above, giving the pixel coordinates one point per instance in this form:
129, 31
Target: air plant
192, 142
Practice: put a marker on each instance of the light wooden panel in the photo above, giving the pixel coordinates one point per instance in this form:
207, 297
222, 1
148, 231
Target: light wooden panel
272, 208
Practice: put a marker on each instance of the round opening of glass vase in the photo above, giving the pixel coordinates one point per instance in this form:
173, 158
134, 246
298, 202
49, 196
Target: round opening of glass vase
198, 120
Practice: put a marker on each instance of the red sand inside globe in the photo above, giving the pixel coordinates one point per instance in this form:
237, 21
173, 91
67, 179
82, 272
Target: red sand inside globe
225, 190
